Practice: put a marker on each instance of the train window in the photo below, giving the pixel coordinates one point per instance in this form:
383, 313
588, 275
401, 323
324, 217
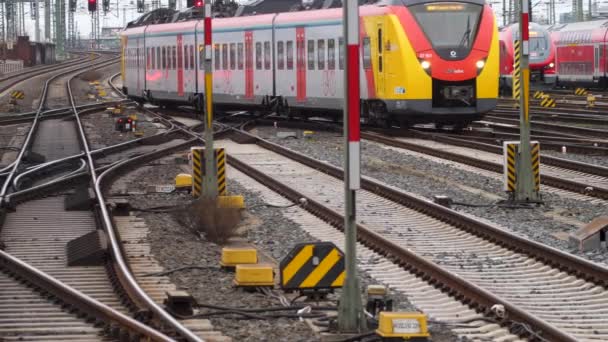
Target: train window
311, 55
164, 57
289, 52
267, 55
239, 52
258, 56
174, 57
201, 56
367, 53
379, 40
331, 54
158, 60
185, 57
321, 54
280, 55
148, 60
191, 55
216, 55
153, 58
224, 56
232, 56
341, 53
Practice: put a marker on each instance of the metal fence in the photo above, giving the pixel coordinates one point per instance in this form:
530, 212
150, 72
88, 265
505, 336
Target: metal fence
8, 66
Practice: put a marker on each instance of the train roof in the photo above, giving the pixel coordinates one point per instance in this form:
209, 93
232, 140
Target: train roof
580, 26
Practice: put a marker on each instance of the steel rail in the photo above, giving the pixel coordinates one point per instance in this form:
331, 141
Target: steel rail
75, 298
33, 128
124, 273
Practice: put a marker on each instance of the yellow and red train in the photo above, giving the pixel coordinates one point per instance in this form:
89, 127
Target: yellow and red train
421, 62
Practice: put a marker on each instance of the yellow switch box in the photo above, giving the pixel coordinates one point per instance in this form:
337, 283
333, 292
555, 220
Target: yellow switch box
254, 275
183, 180
234, 202
402, 325
236, 256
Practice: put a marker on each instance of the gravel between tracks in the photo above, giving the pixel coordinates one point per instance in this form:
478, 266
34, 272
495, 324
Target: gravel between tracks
547, 224
175, 246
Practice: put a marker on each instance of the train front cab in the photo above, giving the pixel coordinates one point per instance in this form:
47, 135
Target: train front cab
433, 62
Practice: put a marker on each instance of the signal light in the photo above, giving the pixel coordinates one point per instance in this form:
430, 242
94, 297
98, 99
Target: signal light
195, 3
92, 5
106, 6
140, 6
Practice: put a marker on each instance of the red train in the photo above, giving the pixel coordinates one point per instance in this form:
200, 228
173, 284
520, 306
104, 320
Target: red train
582, 53
542, 54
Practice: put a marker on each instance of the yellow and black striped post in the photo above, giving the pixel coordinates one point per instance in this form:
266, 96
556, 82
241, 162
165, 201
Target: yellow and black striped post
199, 170
312, 266
510, 173
536, 164
547, 102
580, 91
511, 151
516, 72
18, 95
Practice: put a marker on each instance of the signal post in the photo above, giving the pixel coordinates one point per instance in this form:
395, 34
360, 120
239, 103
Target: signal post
350, 312
525, 185
210, 178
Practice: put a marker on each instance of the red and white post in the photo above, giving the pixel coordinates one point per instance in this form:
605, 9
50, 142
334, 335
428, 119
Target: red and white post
350, 314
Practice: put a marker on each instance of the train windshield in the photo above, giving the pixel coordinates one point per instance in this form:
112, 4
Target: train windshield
451, 27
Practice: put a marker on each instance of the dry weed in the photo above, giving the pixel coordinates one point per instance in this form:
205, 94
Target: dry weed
204, 217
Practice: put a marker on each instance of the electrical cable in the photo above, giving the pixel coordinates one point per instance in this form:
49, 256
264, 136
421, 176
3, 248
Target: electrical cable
193, 267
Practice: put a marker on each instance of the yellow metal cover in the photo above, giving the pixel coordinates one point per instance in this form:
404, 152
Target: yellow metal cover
254, 275
237, 202
183, 180
235, 256
402, 324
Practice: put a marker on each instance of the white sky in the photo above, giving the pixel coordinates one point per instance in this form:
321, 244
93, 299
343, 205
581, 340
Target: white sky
116, 17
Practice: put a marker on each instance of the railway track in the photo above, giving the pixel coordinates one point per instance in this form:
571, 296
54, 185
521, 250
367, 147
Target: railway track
13, 79
480, 264
444, 248
99, 298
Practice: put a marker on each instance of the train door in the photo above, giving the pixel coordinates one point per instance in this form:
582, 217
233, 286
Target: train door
249, 64
180, 65
380, 81
300, 65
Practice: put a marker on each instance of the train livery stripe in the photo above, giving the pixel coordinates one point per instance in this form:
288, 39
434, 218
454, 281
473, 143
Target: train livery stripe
249, 64
300, 65
370, 77
180, 65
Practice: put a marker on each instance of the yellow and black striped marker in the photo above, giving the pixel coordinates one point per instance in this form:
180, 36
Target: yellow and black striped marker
547, 102
312, 266
198, 170
511, 149
18, 95
536, 164
516, 71
511, 171
580, 91
538, 94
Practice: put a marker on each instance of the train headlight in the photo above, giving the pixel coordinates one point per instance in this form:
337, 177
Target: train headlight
551, 65
480, 64
425, 65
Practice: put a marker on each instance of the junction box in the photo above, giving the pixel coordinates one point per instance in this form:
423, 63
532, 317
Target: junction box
231, 256
399, 326
254, 275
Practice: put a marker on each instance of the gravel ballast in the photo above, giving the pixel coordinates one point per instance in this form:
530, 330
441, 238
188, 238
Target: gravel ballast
265, 226
549, 224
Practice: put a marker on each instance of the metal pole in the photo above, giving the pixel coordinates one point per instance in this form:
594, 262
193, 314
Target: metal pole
210, 178
47, 20
504, 12
37, 29
350, 311
525, 189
